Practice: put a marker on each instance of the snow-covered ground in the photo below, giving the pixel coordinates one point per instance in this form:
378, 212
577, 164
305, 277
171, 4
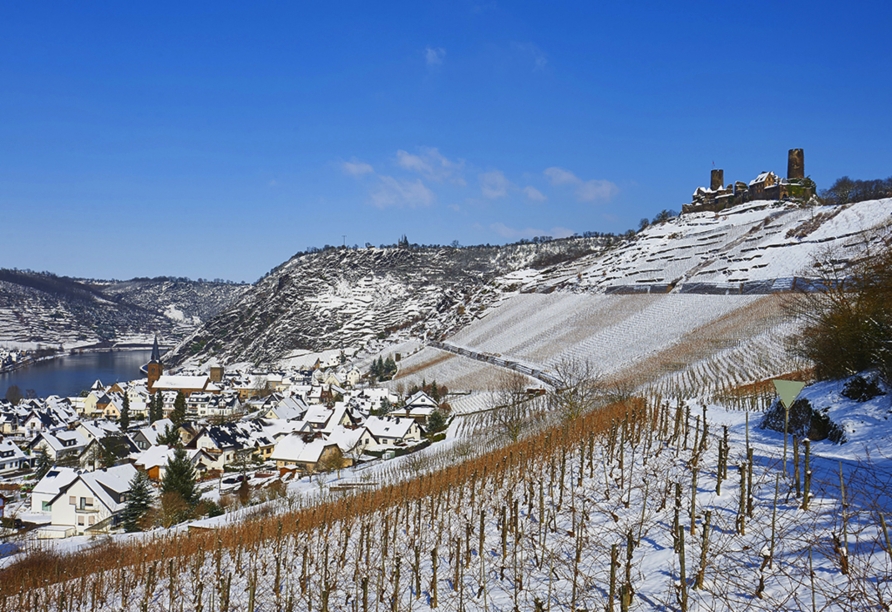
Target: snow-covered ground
537, 527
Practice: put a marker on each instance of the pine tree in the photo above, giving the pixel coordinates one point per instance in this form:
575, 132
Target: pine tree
43, 464
179, 477
139, 500
152, 417
170, 437
125, 413
178, 416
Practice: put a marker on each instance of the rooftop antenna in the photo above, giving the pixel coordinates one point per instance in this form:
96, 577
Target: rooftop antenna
344, 236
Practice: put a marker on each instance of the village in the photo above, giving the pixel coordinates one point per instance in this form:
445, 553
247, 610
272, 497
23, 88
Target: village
67, 463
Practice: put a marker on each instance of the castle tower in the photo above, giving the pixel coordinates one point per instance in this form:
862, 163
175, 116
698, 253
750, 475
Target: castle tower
154, 368
717, 179
795, 164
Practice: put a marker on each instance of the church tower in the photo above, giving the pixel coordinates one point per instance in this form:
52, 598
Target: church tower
154, 368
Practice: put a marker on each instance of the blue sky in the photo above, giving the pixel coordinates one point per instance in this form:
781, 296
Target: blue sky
217, 140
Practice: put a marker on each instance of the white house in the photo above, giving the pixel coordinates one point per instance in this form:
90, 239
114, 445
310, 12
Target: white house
387, 433
93, 500
154, 461
49, 486
60, 444
11, 457
304, 452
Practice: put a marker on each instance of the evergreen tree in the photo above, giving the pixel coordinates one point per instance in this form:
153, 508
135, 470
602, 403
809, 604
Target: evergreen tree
139, 500
179, 478
43, 464
170, 437
178, 416
125, 413
151, 407
112, 449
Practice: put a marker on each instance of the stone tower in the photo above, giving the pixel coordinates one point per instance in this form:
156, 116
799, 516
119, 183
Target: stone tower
795, 164
154, 368
717, 179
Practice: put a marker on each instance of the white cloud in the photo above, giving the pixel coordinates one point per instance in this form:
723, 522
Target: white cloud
434, 56
586, 191
533, 52
357, 168
494, 185
559, 176
534, 194
401, 193
432, 165
590, 191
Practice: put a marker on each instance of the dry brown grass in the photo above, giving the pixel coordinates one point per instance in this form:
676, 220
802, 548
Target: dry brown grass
40, 568
403, 373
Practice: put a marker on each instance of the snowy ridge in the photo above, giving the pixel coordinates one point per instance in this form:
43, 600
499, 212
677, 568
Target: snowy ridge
51, 311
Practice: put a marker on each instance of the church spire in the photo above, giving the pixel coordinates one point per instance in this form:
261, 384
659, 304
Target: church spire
156, 353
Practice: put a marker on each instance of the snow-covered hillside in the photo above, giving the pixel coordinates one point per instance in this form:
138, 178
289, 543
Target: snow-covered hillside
41, 309
650, 505
687, 305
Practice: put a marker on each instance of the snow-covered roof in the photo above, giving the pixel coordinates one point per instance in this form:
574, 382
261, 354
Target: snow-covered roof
109, 485
96, 430
174, 383
293, 448
761, 178
156, 429
420, 398
395, 428
55, 480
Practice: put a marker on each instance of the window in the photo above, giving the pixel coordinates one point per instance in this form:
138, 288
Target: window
80, 520
91, 520
72, 500
46, 507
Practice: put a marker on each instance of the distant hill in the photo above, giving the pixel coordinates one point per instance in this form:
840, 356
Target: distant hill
42, 308
344, 297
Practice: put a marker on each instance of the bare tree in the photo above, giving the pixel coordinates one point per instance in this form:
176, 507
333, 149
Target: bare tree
510, 404
580, 389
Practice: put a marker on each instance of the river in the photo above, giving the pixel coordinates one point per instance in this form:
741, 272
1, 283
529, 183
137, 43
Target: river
71, 374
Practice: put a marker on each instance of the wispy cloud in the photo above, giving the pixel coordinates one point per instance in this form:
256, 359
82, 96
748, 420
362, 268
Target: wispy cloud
434, 56
534, 194
392, 192
586, 191
432, 165
511, 233
531, 52
494, 185
357, 168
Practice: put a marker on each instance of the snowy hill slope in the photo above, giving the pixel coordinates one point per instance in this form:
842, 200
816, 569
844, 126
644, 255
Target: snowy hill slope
570, 518
41, 308
347, 297
688, 304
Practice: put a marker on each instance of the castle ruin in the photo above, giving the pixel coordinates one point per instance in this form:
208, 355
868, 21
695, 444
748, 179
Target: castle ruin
766, 186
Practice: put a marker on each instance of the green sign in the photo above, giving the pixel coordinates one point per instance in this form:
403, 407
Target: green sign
788, 390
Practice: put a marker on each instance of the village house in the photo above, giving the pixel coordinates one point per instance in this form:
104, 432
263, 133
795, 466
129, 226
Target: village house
92, 502
12, 459
185, 384
60, 445
308, 454
49, 486
388, 433
154, 461
148, 436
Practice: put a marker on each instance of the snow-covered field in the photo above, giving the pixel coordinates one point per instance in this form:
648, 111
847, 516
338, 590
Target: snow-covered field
563, 520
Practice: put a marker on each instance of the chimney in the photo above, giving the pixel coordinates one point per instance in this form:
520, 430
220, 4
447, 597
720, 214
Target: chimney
795, 164
716, 179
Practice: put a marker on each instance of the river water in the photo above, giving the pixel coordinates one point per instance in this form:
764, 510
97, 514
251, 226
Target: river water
69, 375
